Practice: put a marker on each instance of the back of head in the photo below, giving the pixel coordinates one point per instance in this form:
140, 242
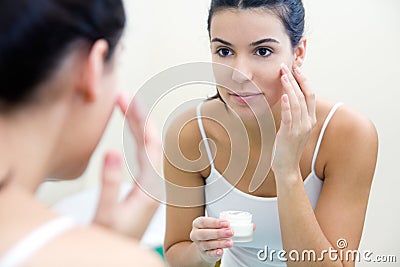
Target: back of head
36, 35
290, 12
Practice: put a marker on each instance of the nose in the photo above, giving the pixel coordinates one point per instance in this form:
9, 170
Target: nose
241, 71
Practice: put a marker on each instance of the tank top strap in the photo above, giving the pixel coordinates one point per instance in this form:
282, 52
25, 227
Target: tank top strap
36, 240
203, 134
321, 135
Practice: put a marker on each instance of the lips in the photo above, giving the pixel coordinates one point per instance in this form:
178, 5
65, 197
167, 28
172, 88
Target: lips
243, 98
245, 94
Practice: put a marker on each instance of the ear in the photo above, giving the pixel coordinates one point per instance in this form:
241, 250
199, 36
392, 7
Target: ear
92, 71
300, 53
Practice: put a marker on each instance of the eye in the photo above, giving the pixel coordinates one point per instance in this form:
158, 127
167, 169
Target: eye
263, 52
224, 52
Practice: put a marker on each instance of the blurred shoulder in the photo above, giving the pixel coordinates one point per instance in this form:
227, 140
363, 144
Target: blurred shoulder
94, 246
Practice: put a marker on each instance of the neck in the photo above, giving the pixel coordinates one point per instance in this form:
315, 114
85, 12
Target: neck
258, 125
27, 139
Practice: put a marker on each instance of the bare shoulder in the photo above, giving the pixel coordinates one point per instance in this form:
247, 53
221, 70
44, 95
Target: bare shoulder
353, 126
350, 144
348, 155
183, 131
94, 246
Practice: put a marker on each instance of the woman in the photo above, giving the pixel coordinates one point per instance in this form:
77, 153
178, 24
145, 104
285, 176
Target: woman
58, 61
315, 195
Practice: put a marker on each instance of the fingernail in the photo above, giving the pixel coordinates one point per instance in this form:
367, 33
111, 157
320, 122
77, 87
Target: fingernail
219, 252
285, 68
229, 232
285, 99
113, 159
224, 224
228, 243
285, 78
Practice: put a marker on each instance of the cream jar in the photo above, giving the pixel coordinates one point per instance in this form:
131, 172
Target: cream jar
241, 224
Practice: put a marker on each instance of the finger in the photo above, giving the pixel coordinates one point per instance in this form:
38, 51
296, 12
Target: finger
152, 142
133, 193
139, 191
148, 146
286, 115
308, 93
149, 156
133, 116
214, 244
153, 153
210, 234
292, 90
215, 254
111, 181
129, 111
123, 102
209, 223
300, 96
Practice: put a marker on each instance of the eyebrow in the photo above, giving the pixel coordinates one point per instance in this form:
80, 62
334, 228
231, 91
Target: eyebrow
266, 40
221, 41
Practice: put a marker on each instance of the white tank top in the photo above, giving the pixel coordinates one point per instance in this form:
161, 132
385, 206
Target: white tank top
220, 195
26, 248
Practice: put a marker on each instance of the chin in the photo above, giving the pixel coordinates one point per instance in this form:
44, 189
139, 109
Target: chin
81, 167
79, 171
71, 171
257, 106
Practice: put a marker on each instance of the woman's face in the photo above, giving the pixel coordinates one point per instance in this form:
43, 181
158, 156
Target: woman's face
254, 44
88, 118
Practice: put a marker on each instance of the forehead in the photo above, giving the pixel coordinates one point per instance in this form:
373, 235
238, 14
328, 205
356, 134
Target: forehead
247, 25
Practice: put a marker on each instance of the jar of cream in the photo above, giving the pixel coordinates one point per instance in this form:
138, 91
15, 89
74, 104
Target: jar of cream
241, 224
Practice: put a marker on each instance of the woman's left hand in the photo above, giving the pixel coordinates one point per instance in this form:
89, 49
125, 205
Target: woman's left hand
131, 215
298, 118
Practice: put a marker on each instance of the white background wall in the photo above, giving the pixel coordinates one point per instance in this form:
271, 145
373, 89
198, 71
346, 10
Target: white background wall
353, 57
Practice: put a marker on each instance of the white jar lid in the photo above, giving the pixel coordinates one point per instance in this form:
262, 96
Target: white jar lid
236, 216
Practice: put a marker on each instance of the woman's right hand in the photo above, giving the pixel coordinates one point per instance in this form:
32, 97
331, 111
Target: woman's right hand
211, 236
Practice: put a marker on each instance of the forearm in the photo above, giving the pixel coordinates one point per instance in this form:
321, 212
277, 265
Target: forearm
185, 254
299, 226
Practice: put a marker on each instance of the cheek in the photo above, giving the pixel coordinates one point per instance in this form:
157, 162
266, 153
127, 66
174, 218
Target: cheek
269, 82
